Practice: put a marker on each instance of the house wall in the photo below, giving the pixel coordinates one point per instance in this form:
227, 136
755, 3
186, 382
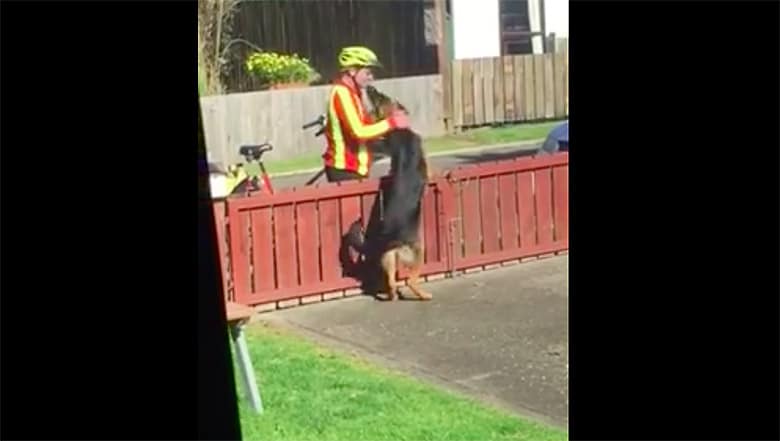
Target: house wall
556, 17
475, 27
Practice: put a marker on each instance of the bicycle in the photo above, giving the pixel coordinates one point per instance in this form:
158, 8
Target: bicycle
251, 177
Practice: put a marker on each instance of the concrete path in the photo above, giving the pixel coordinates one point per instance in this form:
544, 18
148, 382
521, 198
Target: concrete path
499, 335
439, 162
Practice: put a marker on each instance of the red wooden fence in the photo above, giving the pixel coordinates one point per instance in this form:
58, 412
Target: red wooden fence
509, 210
285, 246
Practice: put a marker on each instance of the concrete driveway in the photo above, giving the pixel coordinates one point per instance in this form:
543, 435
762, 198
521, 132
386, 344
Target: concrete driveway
499, 335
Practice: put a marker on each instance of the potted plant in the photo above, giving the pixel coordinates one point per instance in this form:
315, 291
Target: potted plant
280, 71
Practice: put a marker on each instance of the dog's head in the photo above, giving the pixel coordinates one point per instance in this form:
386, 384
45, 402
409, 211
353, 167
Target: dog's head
383, 105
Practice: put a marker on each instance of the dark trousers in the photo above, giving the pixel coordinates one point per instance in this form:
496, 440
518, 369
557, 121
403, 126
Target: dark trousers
336, 175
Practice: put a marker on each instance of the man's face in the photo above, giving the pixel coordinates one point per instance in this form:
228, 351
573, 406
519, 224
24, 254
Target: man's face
364, 76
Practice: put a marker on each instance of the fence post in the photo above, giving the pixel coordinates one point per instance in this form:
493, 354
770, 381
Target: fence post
448, 217
549, 44
440, 12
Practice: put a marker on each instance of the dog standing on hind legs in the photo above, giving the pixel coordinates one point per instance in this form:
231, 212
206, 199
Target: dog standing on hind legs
397, 240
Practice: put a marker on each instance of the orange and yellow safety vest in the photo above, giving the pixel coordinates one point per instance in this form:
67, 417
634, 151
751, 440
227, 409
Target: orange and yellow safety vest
347, 130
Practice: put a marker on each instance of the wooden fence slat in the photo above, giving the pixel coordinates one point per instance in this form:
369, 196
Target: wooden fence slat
518, 69
308, 241
430, 227
526, 211
233, 125
330, 239
561, 202
213, 111
549, 87
457, 93
479, 100
538, 61
507, 206
509, 89
444, 214
487, 89
468, 93
262, 108
262, 250
471, 217
489, 213
245, 118
286, 253
499, 103
239, 255
559, 86
282, 115
543, 196
530, 86
220, 215
456, 248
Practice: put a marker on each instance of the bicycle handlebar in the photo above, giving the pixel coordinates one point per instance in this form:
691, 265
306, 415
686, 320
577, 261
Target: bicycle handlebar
317, 122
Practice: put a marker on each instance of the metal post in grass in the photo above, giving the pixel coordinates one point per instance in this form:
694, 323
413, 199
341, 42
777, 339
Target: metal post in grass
237, 316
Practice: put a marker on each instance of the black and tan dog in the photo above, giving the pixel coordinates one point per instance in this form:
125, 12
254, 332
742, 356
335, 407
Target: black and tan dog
397, 240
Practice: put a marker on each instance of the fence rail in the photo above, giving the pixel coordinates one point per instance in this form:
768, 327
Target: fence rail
513, 88
288, 245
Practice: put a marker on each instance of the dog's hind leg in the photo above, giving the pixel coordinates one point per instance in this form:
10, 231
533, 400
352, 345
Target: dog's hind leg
389, 269
414, 273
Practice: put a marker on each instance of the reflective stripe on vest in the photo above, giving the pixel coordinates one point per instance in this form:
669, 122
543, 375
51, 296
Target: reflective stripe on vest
352, 112
362, 159
339, 160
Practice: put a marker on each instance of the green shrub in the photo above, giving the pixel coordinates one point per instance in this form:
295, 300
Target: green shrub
273, 68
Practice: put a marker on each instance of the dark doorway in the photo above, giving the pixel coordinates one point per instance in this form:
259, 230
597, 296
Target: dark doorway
515, 27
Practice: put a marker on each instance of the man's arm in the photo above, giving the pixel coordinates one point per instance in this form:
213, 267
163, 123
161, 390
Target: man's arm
364, 132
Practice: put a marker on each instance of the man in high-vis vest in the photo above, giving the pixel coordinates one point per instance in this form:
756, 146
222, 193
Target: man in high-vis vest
349, 129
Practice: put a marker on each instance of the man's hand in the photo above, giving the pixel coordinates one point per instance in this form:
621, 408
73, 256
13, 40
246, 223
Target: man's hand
400, 120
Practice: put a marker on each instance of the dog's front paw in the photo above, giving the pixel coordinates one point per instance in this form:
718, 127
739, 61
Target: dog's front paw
424, 295
392, 295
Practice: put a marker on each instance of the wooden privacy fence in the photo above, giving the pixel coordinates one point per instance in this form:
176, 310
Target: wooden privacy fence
287, 246
507, 89
276, 116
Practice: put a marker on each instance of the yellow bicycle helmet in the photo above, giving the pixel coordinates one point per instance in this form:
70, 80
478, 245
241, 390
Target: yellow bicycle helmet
358, 56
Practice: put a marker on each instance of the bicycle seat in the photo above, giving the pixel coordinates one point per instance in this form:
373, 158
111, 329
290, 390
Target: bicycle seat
254, 151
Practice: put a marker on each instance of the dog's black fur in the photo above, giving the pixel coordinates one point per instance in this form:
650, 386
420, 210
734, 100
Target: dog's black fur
397, 234
401, 197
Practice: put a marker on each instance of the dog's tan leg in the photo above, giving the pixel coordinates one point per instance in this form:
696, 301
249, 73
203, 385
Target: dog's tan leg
389, 267
414, 274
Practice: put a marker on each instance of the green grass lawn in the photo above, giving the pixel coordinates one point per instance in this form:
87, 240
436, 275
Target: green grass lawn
314, 394
467, 139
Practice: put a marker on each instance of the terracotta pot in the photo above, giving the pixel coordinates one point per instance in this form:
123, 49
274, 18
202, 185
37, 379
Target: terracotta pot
292, 85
